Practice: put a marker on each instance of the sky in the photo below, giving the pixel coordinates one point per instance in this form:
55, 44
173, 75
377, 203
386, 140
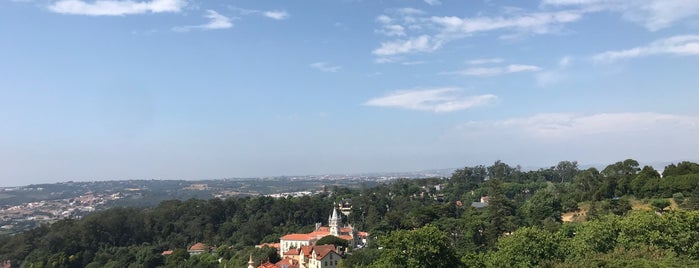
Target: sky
193, 89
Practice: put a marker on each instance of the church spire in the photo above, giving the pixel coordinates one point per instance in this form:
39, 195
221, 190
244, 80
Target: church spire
334, 223
334, 216
251, 264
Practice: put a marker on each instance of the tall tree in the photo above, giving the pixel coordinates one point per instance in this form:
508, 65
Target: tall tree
544, 205
423, 247
500, 212
566, 170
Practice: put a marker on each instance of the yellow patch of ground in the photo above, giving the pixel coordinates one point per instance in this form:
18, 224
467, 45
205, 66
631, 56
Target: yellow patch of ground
576, 216
639, 205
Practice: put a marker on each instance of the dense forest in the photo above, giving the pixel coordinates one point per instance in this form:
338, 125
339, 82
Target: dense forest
622, 216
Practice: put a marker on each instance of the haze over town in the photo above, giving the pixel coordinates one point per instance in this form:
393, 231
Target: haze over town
175, 89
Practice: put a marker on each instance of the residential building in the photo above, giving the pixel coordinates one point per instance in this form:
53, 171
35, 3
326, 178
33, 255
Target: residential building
198, 248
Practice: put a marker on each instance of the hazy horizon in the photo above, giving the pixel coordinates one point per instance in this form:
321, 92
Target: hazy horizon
190, 89
659, 166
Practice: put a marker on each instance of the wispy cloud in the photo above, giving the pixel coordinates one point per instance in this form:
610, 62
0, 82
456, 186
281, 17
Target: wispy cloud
325, 67
423, 43
115, 8
216, 21
272, 14
428, 33
417, 62
408, 11
485, 61
433, 2
652, 14
537, 23
681, 45
392, 30
498, 70
436, 100
276, 14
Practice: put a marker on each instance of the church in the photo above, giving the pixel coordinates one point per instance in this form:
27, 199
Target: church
299, 250
353, 237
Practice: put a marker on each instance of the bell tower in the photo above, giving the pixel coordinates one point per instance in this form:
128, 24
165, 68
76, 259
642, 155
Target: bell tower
334, 223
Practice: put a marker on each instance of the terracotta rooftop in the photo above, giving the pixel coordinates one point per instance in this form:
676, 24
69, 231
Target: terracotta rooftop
198, 246
267, 264
346, 237
298, 237
287, 263
323, 250
306, 250
320, 233
292, 251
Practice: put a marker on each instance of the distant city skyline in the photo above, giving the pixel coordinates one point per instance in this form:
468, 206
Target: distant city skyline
188, 89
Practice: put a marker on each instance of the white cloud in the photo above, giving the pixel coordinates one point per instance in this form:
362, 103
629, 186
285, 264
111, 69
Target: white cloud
272, 14
435, 100
435, 31
382, 60
392, 30
384, 19
485, 61
652, 14
433, 2
538, 23
276, 14
216, 21
324, 67
498, 70
681, 45
406, 11
115, 8
399, 22
423, 43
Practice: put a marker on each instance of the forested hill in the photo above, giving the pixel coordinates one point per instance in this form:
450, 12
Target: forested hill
622, 216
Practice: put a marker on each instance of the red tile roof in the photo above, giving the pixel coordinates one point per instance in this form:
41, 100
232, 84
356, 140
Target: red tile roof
198, 246
267, 265
323, 250
287, 263
297, 237
319, 233
306, 250
292, 251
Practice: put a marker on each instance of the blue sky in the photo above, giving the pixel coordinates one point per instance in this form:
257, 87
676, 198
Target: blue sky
186, 89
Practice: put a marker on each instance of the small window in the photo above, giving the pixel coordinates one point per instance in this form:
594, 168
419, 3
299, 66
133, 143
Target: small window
326, 263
